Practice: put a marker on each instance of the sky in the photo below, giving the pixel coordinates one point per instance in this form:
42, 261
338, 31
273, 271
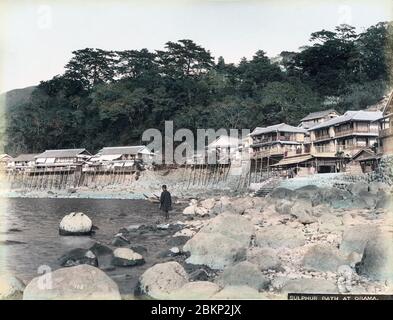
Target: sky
37, 37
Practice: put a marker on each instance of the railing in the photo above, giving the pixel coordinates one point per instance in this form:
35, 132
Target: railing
322, 137
266, 153
353, 131
274, 138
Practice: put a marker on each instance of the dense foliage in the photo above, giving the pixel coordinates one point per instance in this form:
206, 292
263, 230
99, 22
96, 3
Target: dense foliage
107, 98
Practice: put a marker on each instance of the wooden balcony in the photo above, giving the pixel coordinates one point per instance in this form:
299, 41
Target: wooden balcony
322, 137
355, 131
267, 153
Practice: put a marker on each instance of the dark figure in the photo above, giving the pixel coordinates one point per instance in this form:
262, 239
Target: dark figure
165, 201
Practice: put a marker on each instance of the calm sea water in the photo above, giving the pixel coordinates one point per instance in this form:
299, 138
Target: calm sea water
30, 239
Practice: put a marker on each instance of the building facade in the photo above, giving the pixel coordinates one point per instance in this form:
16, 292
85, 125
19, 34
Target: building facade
273, 143
386, 128
347, 134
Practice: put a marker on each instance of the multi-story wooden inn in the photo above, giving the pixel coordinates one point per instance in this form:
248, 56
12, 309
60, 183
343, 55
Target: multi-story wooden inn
386, 128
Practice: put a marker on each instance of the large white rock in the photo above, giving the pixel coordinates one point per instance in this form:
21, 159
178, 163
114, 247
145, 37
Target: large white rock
237, 293
11, 288
323, 258
264, 258
201, 211
307, 285
197, 290
356, 237
243, 274
81, 282
221, 242
75, 223
162, 279
189, 210
279, 236
208, 203
125, 257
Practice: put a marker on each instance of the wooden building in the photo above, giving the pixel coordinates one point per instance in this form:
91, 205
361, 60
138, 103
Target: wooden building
61, 159
386, 128
4, 161
346, 134
122, 156
23, 161
224, 148
332, 144
273, 143
315, 118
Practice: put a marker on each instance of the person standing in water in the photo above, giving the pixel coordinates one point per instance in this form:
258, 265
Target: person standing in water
165, 201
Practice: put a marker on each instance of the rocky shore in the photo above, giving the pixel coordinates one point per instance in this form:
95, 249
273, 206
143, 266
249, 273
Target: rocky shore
308, 240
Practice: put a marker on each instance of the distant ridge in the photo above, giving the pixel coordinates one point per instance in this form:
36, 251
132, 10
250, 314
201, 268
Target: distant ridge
16, 96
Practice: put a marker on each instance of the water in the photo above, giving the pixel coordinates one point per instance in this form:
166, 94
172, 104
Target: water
30, 239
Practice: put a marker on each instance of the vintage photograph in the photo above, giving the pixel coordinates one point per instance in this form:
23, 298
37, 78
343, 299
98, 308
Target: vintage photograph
196, 150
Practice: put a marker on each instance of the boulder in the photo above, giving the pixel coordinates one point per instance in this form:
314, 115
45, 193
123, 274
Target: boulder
198, 290
221, 242
311, 193
161, 279
201, 211
199, 275
303, 211
264, 258
376, 263
281, 193
239, 205
283, 206
11, 288
243, 274
208, 203
100, 249
237, 293
214, 250
356, 237
323, 258
104, 256
75, 224
190, 211
330, 223
125, 257
81, 282
120, 241
358, 187
306, 285
279, 236
78, 256
333, 195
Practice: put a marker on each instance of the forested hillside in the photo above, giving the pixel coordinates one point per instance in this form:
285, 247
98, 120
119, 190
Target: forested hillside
107, 98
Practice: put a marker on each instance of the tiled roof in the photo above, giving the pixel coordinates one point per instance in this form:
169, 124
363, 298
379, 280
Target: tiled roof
350, 116
319, 114
61, 153
282, 127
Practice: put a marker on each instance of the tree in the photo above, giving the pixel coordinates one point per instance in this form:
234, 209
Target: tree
91, 67
184, 59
